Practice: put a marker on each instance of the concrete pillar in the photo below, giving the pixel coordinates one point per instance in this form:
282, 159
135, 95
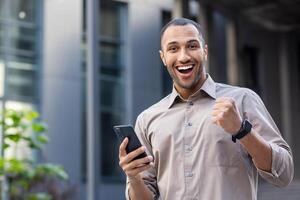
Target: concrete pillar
61, 84
180, 9
285, 88
205, 18
232, 53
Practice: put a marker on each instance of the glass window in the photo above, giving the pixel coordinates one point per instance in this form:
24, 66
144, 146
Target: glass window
23, 10
112, 85
112, 93
113, 90
19, 35
2, 67
20, 83
110, 20
110, 54
2, 8
23, 38
109, 164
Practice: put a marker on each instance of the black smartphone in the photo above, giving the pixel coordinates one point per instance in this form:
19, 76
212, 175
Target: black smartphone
123, 131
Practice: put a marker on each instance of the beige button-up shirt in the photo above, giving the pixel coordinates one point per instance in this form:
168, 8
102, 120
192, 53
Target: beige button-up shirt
196, 159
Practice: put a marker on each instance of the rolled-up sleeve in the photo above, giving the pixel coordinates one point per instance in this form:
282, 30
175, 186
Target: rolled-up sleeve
148, 176
282, 168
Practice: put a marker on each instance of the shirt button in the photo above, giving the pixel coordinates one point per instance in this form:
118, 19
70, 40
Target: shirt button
191, 103
188, 148
189, 174
189, 124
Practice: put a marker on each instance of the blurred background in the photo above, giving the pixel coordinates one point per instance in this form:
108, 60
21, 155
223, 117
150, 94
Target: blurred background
44, 56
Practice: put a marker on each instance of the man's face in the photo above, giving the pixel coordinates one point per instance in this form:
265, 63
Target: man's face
183, 54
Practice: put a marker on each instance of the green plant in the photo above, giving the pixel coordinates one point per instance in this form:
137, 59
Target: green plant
24, 136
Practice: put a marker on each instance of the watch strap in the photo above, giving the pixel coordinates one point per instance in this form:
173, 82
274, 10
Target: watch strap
244, 130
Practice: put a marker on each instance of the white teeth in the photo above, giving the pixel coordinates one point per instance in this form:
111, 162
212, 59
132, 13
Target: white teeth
185, 67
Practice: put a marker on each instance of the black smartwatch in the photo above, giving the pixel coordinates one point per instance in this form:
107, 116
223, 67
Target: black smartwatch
244, 130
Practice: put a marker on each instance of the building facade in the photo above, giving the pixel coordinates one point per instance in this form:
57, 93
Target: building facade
43, 64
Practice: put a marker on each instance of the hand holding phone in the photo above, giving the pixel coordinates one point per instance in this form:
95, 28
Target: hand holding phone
123, 131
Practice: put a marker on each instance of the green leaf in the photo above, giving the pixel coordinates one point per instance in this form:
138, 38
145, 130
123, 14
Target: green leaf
5, 146
42, 139
39, 127
15, 166
34, 145
30, 115
38, 196
13, 137
51, 170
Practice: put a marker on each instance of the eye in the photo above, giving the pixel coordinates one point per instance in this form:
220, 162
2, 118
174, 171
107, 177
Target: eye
172, 48
193, 45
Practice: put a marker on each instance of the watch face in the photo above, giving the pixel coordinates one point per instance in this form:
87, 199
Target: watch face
245, 129
247, 126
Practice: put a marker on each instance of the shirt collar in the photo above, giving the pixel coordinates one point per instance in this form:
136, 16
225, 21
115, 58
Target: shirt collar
209, 87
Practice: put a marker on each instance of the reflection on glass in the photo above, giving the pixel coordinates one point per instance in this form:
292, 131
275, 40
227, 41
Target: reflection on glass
2, 34
1, 79
2, 8
23, 10
20, 82
110, 54
113, 90
111, 78
113, 94
110, 167
110, 20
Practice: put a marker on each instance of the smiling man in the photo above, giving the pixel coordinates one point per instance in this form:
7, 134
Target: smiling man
205, 140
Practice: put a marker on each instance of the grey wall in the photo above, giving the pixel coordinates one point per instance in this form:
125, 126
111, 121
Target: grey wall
268, 68
144, 43
61, 87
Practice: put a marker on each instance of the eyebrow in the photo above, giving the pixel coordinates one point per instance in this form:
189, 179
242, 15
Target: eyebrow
174, 42
171, 43
190, 41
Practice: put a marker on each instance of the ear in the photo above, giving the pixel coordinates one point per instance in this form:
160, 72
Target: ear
162, 57
205, 50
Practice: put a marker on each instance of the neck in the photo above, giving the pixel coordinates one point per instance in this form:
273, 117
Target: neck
186, 93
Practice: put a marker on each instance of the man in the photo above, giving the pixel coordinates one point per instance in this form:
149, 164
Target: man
205, 140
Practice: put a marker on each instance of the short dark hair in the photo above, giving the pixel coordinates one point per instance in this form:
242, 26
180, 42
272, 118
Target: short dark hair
183, 22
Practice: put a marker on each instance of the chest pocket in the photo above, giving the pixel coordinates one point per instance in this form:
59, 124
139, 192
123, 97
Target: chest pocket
219, 148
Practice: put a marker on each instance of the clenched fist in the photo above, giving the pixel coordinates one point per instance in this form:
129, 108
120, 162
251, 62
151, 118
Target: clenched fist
226, 114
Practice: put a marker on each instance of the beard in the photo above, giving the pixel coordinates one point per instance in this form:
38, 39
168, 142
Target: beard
190, 85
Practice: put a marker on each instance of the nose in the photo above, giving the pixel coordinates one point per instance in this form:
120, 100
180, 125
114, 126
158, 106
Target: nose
183, 56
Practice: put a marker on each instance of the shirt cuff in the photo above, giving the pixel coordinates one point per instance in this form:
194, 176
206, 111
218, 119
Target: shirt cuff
127, 192
276, 159
127, 196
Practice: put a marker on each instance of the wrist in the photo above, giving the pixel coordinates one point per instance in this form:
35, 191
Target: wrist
134, 179
245, 129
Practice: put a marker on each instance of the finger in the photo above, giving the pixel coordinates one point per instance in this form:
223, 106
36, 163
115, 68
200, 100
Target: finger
217, 111
135, 153
122, 148
137, 163
216, 120
140, 162
223, 104
138, 170
219, 105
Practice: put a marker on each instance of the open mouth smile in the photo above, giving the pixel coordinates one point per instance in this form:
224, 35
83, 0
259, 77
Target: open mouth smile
185, 69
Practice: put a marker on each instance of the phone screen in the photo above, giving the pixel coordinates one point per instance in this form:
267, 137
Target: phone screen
123, 131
